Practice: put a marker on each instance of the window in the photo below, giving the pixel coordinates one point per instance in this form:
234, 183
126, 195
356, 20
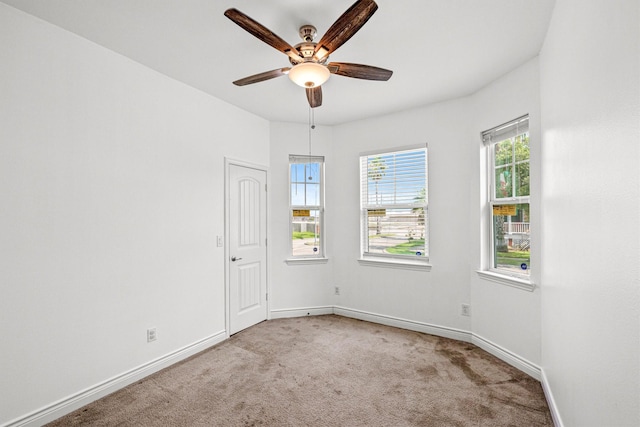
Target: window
393, 200
306, 206
509, 192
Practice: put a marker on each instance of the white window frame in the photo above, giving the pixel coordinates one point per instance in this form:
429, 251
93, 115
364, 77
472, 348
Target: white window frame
390, 260
320, 256
490, 139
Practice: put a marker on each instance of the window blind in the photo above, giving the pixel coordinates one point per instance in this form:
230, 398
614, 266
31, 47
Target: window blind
302, 158
394, 179
506, 130
393, 199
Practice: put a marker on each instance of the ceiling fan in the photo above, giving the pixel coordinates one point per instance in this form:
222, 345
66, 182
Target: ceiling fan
309, 60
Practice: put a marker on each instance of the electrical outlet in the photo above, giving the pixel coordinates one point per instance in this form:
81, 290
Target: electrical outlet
337, 290
151, 334
465, 310
219, 241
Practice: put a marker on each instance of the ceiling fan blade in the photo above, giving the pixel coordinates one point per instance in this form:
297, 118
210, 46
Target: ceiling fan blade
263, 33
345, 27
359, 71
267, 75
314, 96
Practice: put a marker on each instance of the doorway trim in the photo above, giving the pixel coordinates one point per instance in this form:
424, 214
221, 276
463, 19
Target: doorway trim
228, 162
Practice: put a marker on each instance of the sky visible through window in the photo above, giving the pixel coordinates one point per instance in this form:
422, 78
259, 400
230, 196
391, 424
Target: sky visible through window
305, 184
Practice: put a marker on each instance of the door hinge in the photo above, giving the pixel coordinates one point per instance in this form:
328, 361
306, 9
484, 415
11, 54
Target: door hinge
265, 187
266, 296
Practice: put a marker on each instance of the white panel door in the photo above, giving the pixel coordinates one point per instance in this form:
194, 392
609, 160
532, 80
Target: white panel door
247, 247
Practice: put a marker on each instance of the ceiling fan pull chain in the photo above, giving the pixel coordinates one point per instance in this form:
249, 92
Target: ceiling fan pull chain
310, 127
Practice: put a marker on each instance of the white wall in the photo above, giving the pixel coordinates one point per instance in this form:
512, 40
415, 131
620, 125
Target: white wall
112, 184
590, 120
433, 297
506, 316
296, 289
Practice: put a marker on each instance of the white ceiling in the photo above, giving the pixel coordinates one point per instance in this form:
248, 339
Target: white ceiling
438, 49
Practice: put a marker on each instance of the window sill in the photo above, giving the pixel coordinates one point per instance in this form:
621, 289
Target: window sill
395, 263
306, 261
514, 282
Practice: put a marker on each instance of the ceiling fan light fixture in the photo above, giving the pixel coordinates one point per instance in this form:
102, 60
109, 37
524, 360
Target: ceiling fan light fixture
309, 74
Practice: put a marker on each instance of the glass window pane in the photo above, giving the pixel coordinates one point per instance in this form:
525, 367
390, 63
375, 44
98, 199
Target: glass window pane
503, 152
503, 182
305, 239
297, 194
297, 172
396, 231
522, 179
522, 147
511, 238
312, 172
313, 195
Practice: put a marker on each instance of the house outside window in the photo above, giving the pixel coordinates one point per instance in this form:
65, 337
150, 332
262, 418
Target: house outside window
394, 205
306, 206
509, 208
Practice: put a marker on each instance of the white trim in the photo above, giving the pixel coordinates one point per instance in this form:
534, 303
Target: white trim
412, 325
553, 408
69, 404
301, 312
389, 262
501, 353
303, 261
507, 356
514, 282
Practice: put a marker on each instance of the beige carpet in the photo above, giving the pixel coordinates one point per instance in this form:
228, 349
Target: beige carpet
327, 371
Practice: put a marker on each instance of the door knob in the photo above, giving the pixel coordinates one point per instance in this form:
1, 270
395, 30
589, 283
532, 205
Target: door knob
235, 259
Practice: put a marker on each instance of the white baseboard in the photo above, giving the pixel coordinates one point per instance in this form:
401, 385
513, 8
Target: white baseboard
62, 407
442, 331
411, 325
507, 356
300, 312
553, 408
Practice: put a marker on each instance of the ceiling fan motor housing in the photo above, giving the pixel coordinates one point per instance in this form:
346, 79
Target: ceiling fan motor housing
307, 48
308, 33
